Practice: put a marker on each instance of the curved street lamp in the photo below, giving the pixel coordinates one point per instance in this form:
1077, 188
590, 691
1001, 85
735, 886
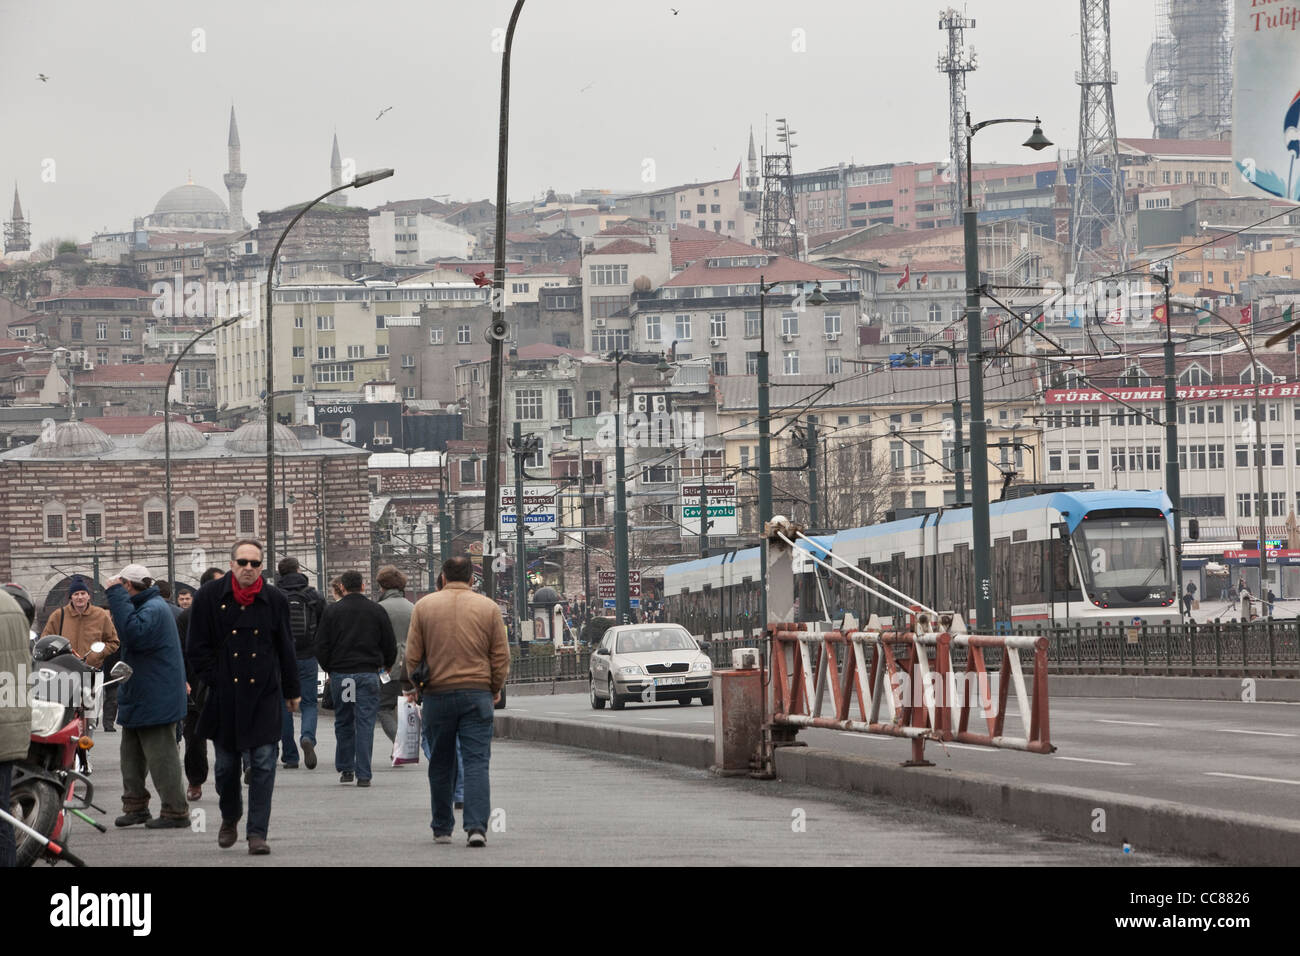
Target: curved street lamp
167, 441
364, 179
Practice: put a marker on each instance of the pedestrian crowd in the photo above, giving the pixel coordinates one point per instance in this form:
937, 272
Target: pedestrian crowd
236, 660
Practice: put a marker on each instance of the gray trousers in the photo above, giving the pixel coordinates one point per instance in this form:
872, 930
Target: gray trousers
153, 751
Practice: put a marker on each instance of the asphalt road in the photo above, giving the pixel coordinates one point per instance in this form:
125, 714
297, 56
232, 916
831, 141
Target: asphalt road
558, 806
1220, 755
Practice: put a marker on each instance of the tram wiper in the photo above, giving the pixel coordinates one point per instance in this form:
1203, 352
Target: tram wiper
1163, 565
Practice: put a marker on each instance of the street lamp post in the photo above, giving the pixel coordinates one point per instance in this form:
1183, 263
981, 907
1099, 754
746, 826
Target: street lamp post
582, 510
622, 598
1173, 485
979, 478
364, 179
1260, 503
167, 442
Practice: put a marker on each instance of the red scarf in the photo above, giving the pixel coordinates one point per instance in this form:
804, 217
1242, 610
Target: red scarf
246, 595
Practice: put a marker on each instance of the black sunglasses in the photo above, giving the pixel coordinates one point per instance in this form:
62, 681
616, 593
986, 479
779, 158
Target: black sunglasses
245, 562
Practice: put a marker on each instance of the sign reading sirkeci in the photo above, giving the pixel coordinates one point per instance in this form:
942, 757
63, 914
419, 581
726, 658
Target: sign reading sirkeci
607, 588
722, 509
1185, 393
540, 513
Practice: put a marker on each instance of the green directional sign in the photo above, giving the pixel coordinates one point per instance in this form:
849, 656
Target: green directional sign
721, 504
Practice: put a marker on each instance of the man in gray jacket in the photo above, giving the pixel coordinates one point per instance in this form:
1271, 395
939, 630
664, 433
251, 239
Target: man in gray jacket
392, 598
15, 711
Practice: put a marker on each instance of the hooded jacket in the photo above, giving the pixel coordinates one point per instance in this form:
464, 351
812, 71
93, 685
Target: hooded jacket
155, 694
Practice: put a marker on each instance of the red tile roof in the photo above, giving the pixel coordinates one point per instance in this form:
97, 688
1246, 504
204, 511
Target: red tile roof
621, 230
776, 270
16, 343
524, 237
99, 292
622, 247
1179, 147
147, 374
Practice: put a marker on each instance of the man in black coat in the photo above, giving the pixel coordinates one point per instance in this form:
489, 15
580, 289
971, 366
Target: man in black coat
305, 612
356, 647
241, 647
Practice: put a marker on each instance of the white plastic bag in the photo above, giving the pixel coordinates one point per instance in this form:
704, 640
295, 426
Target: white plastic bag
406, 744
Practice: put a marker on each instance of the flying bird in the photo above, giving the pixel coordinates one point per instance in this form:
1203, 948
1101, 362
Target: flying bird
674, 11
383, 111
42, 77
587, 87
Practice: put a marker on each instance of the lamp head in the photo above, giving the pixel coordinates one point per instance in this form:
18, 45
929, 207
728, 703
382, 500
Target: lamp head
1036, 139
818, 297
365, 179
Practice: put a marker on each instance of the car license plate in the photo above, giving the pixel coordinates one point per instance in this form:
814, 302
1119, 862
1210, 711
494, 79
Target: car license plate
668, 681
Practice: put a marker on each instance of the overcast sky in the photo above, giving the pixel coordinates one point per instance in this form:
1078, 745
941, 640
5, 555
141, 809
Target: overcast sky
130, 107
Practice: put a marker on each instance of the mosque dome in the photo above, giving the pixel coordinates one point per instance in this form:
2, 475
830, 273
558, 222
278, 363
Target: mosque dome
190, 198
184, 437
251, 438
72, 440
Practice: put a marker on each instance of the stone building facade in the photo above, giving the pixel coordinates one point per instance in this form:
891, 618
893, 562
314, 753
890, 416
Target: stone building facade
79, 502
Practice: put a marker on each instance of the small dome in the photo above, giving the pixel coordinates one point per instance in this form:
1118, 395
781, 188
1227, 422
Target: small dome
72, 440
642, 284
545, 596
185, 437
251, 438
190, 199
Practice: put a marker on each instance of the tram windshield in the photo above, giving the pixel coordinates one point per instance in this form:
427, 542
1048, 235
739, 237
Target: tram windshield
1130, 554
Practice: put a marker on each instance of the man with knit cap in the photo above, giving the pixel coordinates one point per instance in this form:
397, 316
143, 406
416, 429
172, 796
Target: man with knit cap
83, 624
152, 702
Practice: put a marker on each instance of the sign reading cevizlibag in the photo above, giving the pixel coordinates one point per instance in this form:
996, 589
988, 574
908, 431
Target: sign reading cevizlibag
1266, 96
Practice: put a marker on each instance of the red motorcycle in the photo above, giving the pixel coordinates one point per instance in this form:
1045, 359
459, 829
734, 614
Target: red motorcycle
48, 791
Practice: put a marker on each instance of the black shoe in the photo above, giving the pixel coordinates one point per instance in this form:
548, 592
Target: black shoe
308, 753
164, 823
458, 805
289, 766
132, 818
110, 729
476, 838
363, 783
347, 776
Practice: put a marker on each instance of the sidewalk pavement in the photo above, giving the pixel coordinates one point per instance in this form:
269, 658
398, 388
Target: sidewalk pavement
559, 806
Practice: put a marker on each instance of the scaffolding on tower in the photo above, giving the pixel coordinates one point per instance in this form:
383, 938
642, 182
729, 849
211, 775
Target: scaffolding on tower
1189, 67
778, 230
956, 64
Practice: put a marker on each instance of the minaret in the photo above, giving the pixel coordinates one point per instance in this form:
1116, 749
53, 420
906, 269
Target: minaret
752, 180
336, 174
235, 179
18, 231
1061, 207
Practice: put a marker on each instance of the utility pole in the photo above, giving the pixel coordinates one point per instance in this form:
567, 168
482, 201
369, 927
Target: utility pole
622, 598
444, 516
704, 514
1172, 481
764, 450
523, 449
582, 505
428, 549
811, 446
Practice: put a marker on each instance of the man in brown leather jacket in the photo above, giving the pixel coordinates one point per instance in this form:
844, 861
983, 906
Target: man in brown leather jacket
461, 639
83, 624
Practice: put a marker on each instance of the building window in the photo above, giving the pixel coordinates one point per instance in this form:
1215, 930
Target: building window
299, 379
299, 351
593, 401
246, 517
832, 320
381, 322
657, 474
54, 515
435, 336
790, 364
408, 361
324, 352
409, 391
652, 328
753, 324
789, 323
126, 333
609, 275
528, 404
564, 403
297, 322
381, 350
324, 323
330, 374
834, 365
896, 456
462, 335
356, 351
718, 325
683, 328
154, 524
1244, 505
751, 363
92, 517
719, 363
187, 518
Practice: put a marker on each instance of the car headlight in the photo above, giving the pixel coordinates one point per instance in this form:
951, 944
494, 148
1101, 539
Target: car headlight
630, 670
703, 664
47, 717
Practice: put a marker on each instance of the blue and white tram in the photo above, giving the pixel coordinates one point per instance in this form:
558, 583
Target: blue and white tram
1068, 557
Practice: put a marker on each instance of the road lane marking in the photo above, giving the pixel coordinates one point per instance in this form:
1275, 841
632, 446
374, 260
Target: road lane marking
1242, 776
849, 733
701, 721
1129, 723
1257, 733
1109, 763
664, 719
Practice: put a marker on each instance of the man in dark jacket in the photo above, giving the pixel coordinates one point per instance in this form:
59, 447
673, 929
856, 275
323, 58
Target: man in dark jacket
151, 703
354, 643
241, 647
196, 747
305, 609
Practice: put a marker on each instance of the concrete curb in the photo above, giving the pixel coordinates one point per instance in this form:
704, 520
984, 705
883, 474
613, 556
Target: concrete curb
1148, 825
1151, 687
691, 750
545, 688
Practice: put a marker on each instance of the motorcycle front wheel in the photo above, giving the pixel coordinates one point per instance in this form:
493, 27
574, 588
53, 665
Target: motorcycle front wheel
37, 804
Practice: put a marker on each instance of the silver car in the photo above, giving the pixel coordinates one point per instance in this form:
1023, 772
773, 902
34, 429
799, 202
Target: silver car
648, 663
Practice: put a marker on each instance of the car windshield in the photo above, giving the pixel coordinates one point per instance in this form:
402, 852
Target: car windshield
1126, 552
658, 639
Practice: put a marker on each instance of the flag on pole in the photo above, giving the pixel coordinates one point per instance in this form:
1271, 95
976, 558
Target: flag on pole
923, 280
1041, 321
907, 274
1245, 314
1116, 316
1158, 313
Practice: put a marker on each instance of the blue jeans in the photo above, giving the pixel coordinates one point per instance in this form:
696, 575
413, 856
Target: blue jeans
354, 721
459, 796
467, 715
230, 788
288, 743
